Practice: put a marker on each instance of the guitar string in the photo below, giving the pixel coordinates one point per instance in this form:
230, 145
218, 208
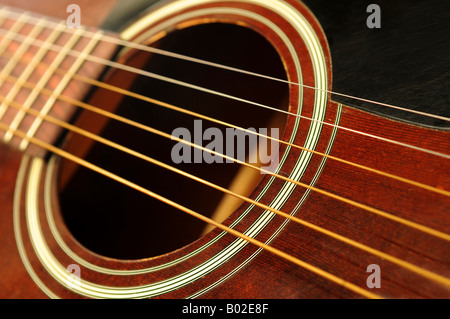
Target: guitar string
184, 84
275, 251
178, 56
353, 203
204, 117
171, 137
402, 263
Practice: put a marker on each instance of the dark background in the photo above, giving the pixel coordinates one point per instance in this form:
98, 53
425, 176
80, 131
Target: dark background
406, 62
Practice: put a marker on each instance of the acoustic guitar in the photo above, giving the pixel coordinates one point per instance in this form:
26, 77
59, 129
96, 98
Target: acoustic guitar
101, 196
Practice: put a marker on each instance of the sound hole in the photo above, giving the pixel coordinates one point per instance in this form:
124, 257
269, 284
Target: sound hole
113, 220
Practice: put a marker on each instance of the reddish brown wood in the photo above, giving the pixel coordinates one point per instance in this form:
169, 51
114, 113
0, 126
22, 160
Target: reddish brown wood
93, 12
272, 277
16, 282
74, 89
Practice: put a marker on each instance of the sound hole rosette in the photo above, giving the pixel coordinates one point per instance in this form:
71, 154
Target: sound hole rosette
306, 58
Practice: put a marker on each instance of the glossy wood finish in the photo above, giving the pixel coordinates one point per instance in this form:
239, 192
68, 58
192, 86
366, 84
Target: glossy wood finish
93, 12
266, 276
329, 254
50, 69
17, 283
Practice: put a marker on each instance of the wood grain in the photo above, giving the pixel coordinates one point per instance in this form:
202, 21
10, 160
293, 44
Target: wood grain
21, 56
267, 276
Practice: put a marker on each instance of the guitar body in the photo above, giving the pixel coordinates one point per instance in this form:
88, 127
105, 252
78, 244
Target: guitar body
38, 245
